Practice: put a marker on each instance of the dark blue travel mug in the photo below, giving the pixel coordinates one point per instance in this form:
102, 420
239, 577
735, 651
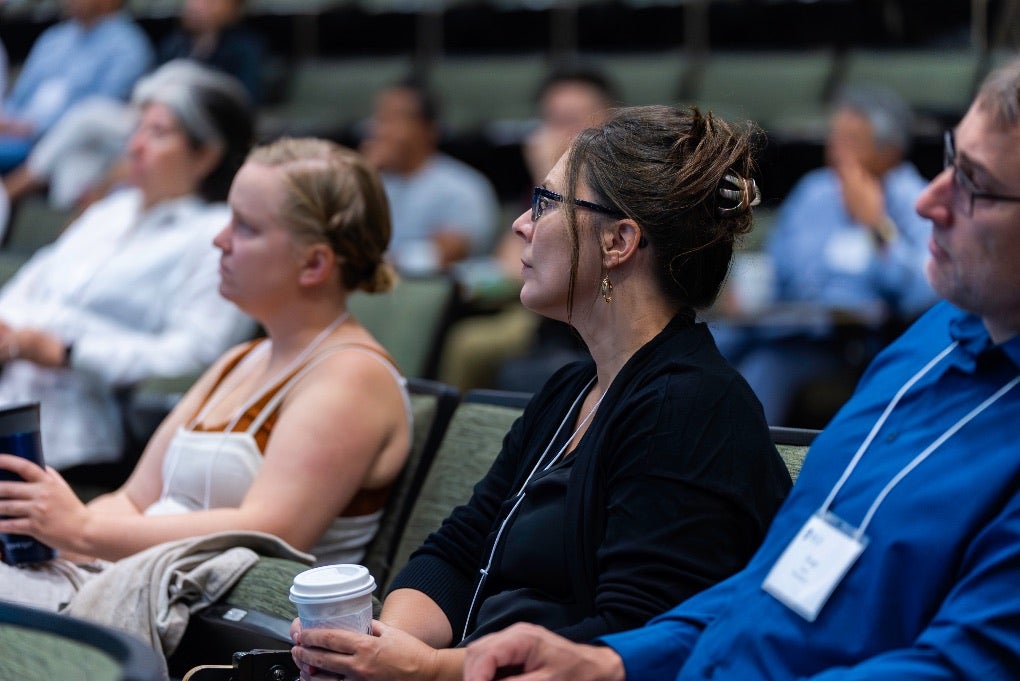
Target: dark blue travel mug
19, 435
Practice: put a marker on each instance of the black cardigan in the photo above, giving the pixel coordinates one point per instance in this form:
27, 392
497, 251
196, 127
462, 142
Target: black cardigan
671, 490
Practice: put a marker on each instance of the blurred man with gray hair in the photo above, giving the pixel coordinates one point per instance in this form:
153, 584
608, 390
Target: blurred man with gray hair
847, 242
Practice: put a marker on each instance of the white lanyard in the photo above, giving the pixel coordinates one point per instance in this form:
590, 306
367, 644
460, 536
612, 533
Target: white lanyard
519, 496
255, 397
826, 547
920, 458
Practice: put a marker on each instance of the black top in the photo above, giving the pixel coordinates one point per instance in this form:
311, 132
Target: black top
670, 490
239, 52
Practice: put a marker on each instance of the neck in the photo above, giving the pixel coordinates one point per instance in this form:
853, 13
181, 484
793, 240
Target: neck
1002, 332
614, 339
297, 324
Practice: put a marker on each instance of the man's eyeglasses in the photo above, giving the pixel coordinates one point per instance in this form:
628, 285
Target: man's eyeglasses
541, 197
962, 182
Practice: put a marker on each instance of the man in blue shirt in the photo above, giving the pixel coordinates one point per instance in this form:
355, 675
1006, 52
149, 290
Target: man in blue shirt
98, 50
846, 239
443, 210
897, 554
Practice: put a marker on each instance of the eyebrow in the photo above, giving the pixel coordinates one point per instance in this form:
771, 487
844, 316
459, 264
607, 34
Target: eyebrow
978, 173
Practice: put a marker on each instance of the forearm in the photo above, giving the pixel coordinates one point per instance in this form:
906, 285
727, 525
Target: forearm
116, 536
417, 614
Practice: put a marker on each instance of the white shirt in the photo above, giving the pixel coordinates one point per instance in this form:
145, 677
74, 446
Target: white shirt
138, 296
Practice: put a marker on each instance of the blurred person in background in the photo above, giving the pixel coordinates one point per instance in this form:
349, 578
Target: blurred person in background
82, 156
846, 241
97, 50
476, 349
443, 209
128, 291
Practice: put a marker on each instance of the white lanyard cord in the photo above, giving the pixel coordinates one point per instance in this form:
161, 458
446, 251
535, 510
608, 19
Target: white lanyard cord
225, 390
257, 395
927, 452
519, 497
920, 458
881, 421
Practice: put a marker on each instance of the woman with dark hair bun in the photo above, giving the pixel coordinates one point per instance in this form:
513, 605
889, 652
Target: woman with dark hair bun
634, 479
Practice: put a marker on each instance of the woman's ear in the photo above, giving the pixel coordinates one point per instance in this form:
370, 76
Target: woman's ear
317, 264
620, 241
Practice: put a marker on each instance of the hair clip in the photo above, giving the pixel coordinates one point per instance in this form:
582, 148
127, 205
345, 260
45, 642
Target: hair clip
741, 190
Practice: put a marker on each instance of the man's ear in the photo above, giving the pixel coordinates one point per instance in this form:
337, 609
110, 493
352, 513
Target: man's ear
620, 242
317, 264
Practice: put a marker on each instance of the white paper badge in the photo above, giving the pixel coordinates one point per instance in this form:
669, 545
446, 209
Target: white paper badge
812, 566
850, 251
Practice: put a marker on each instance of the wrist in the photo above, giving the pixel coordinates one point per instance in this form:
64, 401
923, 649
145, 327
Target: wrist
885, 231
608, 664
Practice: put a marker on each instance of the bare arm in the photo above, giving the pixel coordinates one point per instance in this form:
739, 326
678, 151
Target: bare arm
340, 428
417, 614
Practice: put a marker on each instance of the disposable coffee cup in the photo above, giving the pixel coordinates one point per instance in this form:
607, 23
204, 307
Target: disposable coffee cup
334, 596
19, 435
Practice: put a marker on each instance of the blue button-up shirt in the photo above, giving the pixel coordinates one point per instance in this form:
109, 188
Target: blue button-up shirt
936, 592
70, 62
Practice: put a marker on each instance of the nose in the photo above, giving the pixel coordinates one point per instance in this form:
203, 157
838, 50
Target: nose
523, 226
937, 200
222, 239
135, 142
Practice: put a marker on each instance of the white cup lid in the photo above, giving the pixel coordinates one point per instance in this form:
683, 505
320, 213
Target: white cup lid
330, 582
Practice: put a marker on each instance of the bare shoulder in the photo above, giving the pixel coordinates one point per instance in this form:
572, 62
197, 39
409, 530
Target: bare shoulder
360, 369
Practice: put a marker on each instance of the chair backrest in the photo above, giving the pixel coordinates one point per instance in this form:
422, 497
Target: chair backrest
793, 445
472, 440
410, 320
777, 88
432, 403
41, 645
937, 82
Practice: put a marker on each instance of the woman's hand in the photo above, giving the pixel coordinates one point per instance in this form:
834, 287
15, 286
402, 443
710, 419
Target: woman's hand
41, 505
388, 654
33, 345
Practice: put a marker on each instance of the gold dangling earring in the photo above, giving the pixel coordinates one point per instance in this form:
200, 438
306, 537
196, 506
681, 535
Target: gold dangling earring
606, 289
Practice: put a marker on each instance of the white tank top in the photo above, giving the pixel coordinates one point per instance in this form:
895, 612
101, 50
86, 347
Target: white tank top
203, 470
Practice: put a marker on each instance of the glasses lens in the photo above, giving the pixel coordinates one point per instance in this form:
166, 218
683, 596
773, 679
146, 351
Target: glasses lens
535, 196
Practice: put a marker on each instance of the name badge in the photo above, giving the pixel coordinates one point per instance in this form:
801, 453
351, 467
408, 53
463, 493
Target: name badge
813, 565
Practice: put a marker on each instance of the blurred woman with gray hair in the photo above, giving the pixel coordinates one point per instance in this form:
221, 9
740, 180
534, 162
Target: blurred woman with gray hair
129, 290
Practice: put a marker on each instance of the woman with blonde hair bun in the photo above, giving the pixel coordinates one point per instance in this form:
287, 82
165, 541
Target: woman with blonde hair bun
299, 435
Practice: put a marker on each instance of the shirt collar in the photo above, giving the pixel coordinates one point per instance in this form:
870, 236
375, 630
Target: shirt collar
973, 337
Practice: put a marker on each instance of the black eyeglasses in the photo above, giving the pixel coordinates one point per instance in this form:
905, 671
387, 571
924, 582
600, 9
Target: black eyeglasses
962, 182
540, 201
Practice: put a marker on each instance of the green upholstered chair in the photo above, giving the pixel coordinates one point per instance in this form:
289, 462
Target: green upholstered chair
472, 440
410, 321
793, 445
432, 403
38, 645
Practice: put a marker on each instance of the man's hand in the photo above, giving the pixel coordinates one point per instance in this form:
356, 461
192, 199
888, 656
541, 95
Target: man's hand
531, 653
863, 197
